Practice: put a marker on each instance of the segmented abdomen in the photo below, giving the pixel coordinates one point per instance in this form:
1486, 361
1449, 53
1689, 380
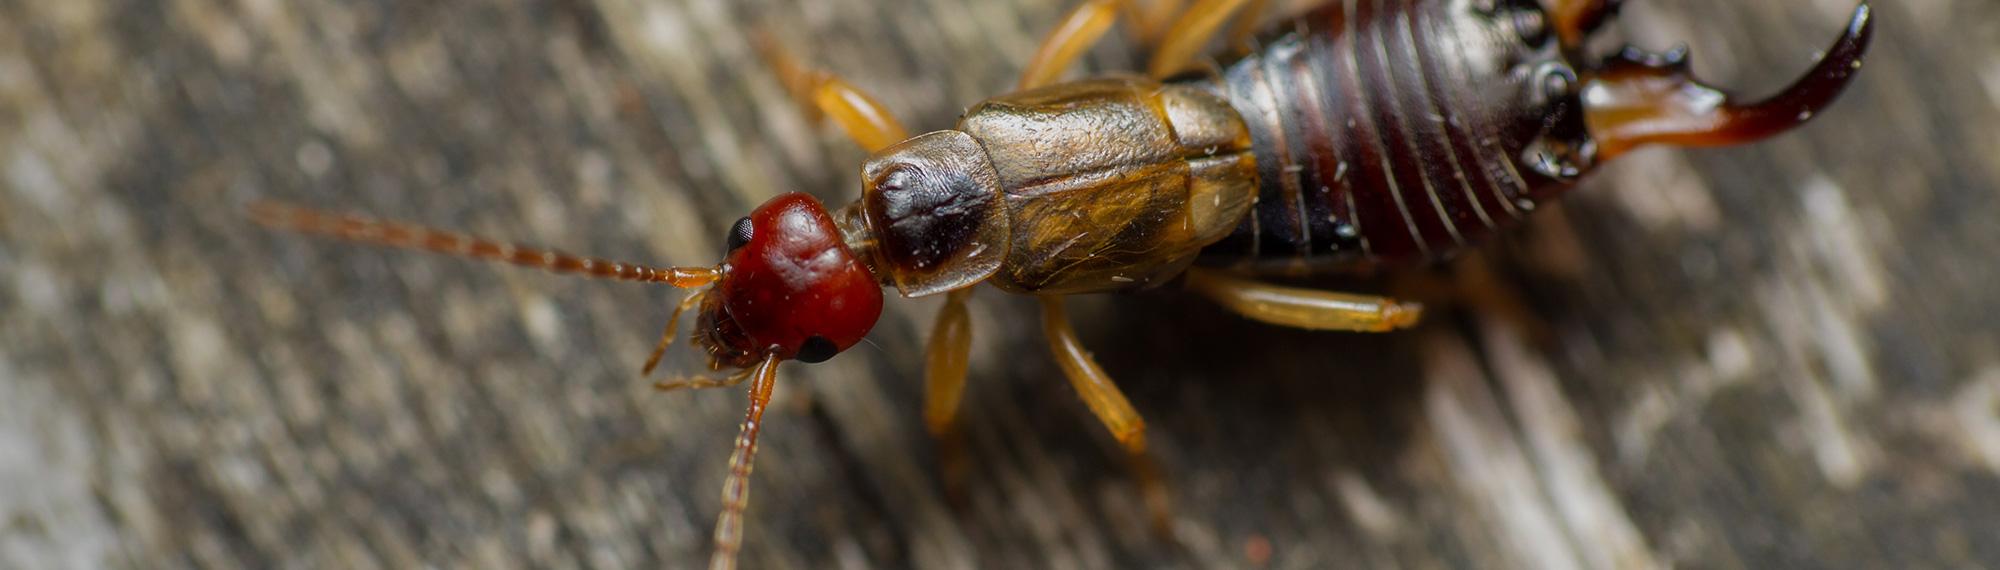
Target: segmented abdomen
1386, 131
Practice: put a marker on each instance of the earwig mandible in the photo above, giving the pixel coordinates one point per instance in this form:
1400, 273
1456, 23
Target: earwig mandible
1366, 133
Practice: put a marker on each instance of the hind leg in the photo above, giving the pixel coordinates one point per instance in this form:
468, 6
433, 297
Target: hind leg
1472, 282
1303, 308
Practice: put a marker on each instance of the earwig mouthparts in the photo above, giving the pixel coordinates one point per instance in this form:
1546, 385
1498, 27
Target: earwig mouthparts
1639, 98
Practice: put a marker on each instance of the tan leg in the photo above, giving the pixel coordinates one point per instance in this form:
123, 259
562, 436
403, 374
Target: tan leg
736, 488
701, 383
1150, 19
1195, 27
1079, 30
823, 94
667, 337
944, 383
945, 363
1099, 393
1303, 308
1104, 399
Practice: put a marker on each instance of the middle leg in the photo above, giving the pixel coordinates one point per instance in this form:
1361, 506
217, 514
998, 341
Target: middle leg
1105, 400
1195, 27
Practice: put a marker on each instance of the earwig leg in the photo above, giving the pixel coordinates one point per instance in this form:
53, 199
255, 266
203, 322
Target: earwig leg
945, 363
1192, 31
1640, 98
736, 488
1150, 19
1097, 389
823, 94
1303, 308
667, 337
944, 382
1474, 285
702, 383
1079, 30
1104, 399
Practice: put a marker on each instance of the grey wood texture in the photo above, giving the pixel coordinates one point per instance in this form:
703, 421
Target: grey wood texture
1780, 355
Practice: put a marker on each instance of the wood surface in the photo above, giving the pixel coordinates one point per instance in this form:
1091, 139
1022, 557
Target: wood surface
1775, 356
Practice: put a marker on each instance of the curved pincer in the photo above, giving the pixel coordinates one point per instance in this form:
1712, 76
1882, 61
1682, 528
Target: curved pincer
1637, 98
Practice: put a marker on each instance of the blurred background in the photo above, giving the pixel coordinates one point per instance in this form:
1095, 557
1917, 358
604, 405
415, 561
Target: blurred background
1779, 355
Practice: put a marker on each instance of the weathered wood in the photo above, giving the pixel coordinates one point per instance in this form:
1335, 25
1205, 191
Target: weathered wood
1770, 356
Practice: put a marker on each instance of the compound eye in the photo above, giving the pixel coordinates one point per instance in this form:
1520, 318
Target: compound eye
817, 349
740, 233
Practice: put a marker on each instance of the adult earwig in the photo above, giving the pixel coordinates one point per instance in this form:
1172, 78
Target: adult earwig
1364, 134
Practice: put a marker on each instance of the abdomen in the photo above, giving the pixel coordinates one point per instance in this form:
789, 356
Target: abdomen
1390, 132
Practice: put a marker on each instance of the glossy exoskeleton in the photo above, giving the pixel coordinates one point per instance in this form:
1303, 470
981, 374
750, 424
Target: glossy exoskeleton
1365, 133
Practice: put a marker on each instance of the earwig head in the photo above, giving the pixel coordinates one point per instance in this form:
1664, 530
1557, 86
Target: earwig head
1634, 97
790, 287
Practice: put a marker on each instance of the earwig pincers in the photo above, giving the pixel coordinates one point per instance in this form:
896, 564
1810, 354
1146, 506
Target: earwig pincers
1362, 135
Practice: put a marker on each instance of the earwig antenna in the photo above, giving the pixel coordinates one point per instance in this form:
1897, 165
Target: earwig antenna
402, 235
736, 489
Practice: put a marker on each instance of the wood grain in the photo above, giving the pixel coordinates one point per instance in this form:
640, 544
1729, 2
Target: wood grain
1781, 355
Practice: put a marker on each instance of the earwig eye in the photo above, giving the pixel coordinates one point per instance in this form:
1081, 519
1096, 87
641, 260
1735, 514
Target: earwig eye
740, 233
816, 349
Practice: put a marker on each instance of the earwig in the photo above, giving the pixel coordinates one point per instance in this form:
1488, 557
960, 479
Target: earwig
1364, 134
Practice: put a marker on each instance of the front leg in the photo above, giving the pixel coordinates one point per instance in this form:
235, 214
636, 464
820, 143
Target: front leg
945, 360
823, 94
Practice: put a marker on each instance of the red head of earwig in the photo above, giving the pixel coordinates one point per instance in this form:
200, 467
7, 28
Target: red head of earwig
789, 287
1635, 98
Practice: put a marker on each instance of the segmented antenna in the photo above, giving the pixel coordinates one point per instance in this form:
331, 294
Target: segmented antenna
402, 235
736, 489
